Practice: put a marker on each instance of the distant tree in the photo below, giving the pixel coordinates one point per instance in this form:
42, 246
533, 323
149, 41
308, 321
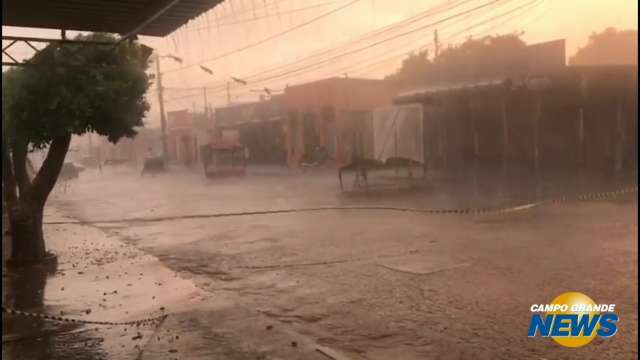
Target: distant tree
475, 59
101, 89
415, 67
608, 47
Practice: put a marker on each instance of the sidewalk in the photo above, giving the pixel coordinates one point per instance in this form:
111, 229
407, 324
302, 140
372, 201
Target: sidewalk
98, 277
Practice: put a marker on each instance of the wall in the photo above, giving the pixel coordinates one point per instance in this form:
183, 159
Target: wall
319, 113
260, 128
578, 119
134, 150
179, 127
186, 133
546, 57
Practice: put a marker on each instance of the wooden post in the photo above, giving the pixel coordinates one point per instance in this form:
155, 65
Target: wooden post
163, 120
474, 129
536, 147
445, 162
505, 150
427, 143
505, 139
581, 149
476, 143
395, 148
426, 149
619, 140
583, 164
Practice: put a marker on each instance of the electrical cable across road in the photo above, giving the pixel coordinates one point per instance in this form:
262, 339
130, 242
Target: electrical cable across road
159, 319
148, 321
469, 211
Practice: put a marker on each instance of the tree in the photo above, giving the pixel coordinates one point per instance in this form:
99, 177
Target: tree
99, 89
414, 69
608, 47
475, 59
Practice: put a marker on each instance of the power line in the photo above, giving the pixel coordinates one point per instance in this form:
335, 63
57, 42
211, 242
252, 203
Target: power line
266, 16
544, 12
528, 4
485, 21
289, 74
234, 15
271, 37
445, 6
449, 5
347, 68
483, 33
357, 50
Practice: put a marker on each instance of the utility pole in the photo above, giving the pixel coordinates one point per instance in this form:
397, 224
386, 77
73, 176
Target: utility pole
436, 43
206, 106
163, 120
239, 81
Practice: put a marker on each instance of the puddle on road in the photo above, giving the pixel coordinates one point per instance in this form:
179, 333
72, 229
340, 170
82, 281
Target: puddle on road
421, 264
95, 278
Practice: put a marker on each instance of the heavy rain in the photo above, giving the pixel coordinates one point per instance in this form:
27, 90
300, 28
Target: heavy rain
313, 179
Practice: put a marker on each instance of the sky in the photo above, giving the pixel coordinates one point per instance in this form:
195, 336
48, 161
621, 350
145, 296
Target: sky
241, 38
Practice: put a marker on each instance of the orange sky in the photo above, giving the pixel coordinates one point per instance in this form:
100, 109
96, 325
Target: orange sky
240, 24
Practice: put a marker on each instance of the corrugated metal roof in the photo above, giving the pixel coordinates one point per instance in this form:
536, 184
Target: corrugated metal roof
448, 87
339, 80
110, 16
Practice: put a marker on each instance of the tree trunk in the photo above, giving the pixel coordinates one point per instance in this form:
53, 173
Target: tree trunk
26, 211
9, 187
27, 243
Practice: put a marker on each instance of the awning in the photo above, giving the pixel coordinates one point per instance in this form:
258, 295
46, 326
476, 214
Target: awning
125, 17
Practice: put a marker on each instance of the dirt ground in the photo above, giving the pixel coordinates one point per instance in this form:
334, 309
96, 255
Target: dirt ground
371, 284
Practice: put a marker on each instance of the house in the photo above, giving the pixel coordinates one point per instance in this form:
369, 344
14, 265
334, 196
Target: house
186, 132
568, 119
258, 126
326, 114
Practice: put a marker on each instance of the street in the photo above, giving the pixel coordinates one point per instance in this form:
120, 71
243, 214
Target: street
367, 284
320, 180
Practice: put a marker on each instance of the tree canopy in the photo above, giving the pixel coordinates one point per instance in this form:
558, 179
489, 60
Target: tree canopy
609, 47
476, 59
100, 89
66, 89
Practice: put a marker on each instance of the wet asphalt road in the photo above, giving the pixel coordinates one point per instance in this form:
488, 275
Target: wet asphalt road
367, 284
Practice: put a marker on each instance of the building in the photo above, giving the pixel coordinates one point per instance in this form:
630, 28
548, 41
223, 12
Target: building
258, 126
146, 143
516, 63
186, 132
571, 118
326, 114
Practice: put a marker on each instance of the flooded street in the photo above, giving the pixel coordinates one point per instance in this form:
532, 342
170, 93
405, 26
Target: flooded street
319, 180
356, 284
